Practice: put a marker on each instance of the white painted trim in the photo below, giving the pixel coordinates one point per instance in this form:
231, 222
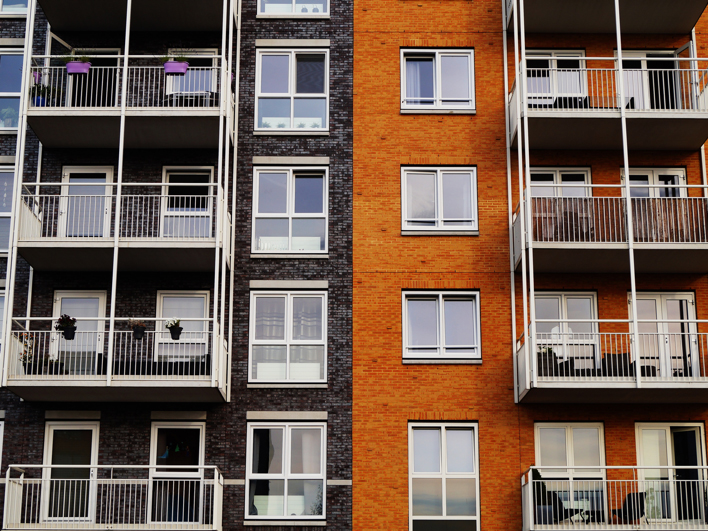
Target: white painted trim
292, 43
314, 161
309, 16
568, 427
228, 482
288, 284
286, 415
6, 159
266, 132
439, 233
71, 415
339, 482
286, 386
178, 415
290, 256
287, 523
10, 41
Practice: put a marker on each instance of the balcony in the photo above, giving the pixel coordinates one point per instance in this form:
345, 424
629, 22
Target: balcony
637, 16
43, 365
579, 108
615, 498
162, 111
71, 227
605, 364
113, 497
587, 232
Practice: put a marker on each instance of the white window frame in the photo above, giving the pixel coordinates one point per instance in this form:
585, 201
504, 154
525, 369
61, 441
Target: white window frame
440, 296
443, 474
645, 56
4, 13
170, 81
67, 172
293, 13
288, 342
18, 94
653, 174
439, 220
166, 213
162, 335
292, 65
286, 475
557, 184
8, 215
292, 171
569, 448
436, 53
553, 56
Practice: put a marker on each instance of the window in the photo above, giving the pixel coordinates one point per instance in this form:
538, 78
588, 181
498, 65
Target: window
86, 205
187, 207
444, 477
13, 6
10, 87
193, 341
556, 79
437, 79
7, 180
201, 75
294, 7
288, 336
441, 325
292, 90
548, 182
653, 84
439, 199
290, 210
285, 470
662, 182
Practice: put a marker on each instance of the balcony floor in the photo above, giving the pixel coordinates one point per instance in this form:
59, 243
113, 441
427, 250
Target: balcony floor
616, 393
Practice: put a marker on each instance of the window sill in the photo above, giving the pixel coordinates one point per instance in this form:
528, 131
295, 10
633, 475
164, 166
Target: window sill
8, 131
439, 233
295, 16
290, 256
13, 15
291, 133
425, 361
438, 111
276, 523
286, 386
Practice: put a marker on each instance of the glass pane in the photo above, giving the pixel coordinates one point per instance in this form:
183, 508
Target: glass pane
85, 206
304, 497
460, 450
427, 497
307, 362
305, 450
266, 497
637, 185
268, 362
426, 450
10, 71
177, 446
309, 194
186, 307
9, 112
267, 451
586, 446
422, 322
310, 73
311, 6
542, 191
547, 308
274, 113
307, 318
272, 193
420, 189
308, 235
14, 6
457, 197
420, 81
2, 313
276, 6
654, 453
270, 318
272, 234
7, 180
579, 308
553, 449
310, 113
461, 498
4, 233
274, 74
455, 82
570, 178
70, 498
460, 324
539, 76
647, 310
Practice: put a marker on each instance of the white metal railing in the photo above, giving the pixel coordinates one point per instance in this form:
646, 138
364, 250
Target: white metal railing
113, 497
607, 498
183, 217
149, 87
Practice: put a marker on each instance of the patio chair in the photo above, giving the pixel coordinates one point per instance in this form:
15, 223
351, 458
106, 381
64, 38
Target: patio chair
560, 512
632, 509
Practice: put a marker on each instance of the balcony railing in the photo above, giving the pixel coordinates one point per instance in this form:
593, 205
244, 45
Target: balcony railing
608, 498
113, 497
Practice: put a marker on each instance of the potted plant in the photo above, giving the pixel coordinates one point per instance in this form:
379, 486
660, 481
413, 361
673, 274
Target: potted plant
39, 94
9, 117
138, 328
542, 500
67, 326
175, 66
77, 64
174, 328
27, 356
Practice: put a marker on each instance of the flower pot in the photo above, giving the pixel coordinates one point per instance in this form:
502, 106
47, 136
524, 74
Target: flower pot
176, 68
138, 332
69, 332
77, 67
39, 101
175, 332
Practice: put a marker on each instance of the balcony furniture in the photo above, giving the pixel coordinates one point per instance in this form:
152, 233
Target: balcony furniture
202, 100
563, 102
594, 517
617, 365
632, 509
648, 371
560, 511
566, 368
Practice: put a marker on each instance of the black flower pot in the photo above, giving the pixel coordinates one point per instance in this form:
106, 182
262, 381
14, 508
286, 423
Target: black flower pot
69, 332
138, 332
175, 332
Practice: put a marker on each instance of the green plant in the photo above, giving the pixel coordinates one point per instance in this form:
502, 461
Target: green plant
9, 113
281, 125
301, 125
132, 323
266, 125
76, 58
64, 321
172, 323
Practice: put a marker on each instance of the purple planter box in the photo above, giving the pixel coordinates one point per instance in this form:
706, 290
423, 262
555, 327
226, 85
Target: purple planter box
77, 67
37, 77
176, 68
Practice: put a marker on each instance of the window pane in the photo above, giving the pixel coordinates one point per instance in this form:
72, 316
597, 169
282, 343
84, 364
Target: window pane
459, 322
420, 81
4, 233
274, 74
2, 313
586, 446
185, 307
307, 318
460, 450
461, 498
7, 180
457, 197
273, 113
267, 451
553, 451
636, 189
270, 318
272, 193
305, 451
426, 450
14, 6
177, 446
9, 112
10, 72
307, 362
311, 6
308, 235
276, 6
310, 73
269, 362
579, 308
310, 113
455, 82
266, 497
309, 194
420, 189
272, 234
542, 191
304, 497
547, 308
422, 322
427, 497
569, 178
